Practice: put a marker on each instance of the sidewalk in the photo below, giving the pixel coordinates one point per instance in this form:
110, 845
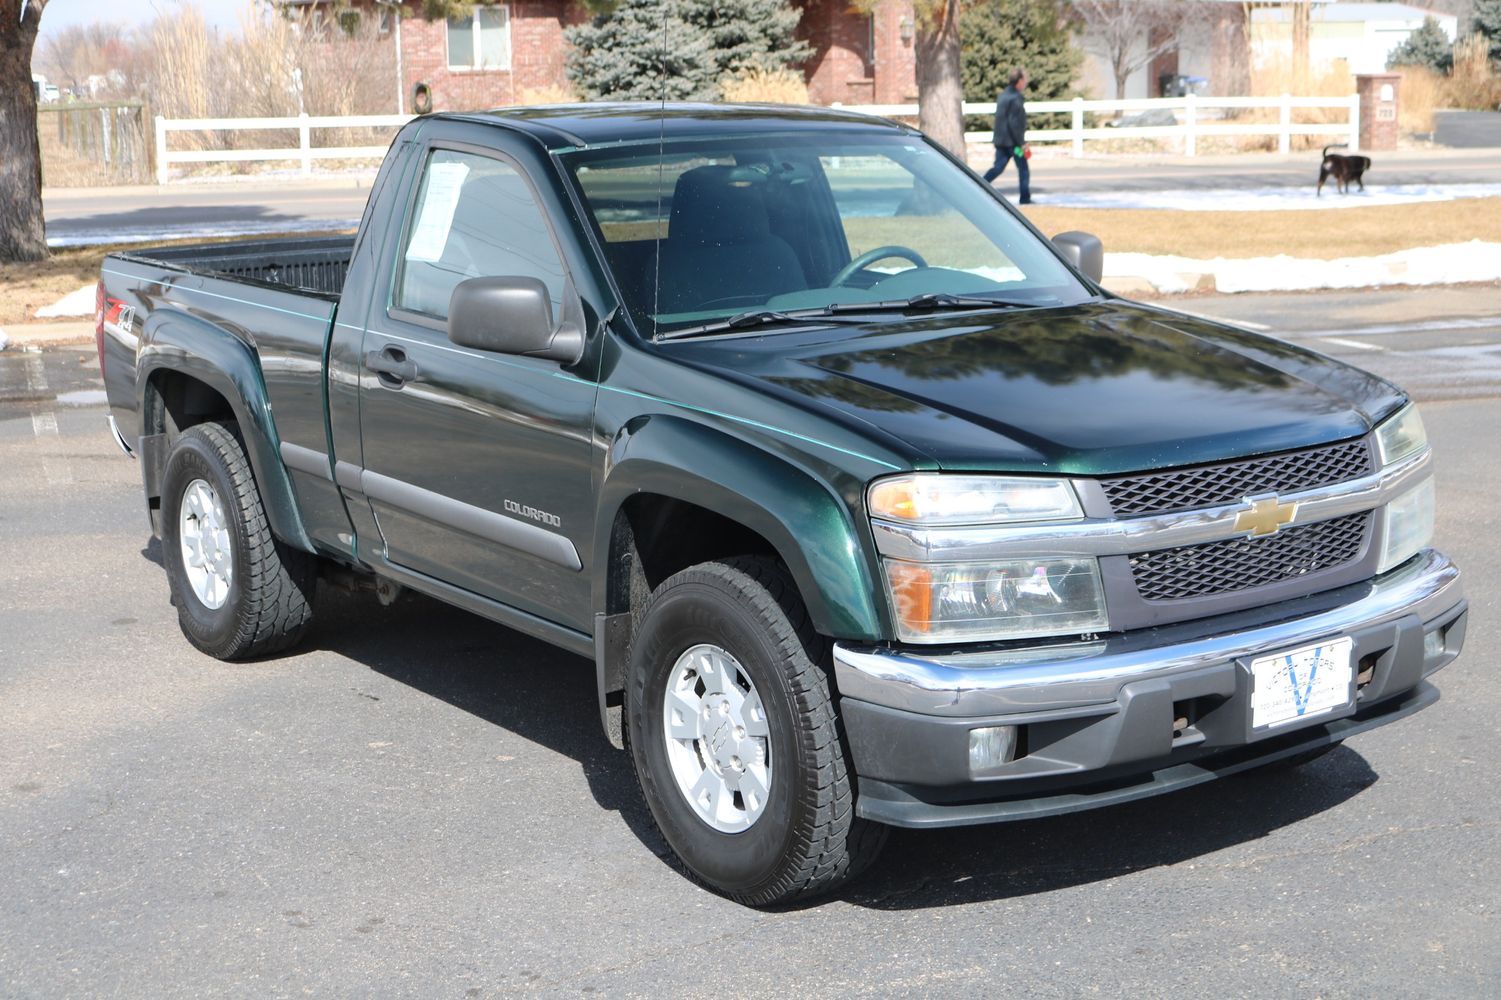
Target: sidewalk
19, 337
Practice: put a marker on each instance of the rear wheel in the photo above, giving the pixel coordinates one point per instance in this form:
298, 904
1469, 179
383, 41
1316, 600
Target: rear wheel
240, 593
735, 738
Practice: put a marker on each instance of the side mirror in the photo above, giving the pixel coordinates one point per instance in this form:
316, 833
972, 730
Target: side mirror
1084, 251
511, 315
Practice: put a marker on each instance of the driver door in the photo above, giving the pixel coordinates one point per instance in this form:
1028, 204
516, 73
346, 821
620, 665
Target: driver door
476, 464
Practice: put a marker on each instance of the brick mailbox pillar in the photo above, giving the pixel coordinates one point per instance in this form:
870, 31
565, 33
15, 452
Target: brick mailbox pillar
1379, 99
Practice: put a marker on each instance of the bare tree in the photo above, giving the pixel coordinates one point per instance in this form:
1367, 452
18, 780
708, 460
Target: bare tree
23, 234
80, 51
1129, 34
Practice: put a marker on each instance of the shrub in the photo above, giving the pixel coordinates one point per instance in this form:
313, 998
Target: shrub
768, 86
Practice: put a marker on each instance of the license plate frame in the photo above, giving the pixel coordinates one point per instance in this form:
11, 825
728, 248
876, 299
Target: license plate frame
1302, 685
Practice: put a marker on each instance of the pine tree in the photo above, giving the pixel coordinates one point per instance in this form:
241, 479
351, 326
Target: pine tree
680, 49
1428, 46
997, 35
1487, 21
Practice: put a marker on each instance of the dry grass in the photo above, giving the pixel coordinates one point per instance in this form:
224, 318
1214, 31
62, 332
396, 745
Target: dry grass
1422, 92
765, 86
28, 286
556, 93
1473, 82
1326, 234
1277, 77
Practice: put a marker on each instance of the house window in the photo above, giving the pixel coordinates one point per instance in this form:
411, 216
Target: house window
480, 41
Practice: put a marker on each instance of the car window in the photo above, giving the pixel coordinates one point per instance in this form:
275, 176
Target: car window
700, 229
882, 203
473, 216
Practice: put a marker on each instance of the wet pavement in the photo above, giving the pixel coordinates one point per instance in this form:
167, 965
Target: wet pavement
418, 802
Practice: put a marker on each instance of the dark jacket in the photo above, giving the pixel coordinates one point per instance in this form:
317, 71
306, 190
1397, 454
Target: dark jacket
1010, 120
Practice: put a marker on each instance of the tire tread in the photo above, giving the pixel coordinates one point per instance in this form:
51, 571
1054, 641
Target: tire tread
276, 582
836, 845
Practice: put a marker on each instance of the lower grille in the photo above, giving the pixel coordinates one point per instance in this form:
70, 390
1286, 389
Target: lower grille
1242, 563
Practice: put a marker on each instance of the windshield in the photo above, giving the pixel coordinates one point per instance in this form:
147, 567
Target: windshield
705, 229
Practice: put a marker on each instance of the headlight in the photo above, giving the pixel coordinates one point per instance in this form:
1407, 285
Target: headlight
941, 498
1010, 599
1409, 525
1401, 435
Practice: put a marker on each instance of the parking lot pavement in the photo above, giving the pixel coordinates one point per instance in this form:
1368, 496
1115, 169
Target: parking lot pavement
419, 803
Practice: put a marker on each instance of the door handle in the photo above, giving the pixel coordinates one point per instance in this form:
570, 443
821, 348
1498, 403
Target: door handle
391, 366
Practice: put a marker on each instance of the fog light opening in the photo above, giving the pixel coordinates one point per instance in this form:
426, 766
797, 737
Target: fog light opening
1433, 644
991, 747
1367, 669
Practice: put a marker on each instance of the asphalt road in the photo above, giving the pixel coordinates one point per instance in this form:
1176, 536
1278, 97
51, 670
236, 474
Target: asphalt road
419, 803
1468, 129
287, 204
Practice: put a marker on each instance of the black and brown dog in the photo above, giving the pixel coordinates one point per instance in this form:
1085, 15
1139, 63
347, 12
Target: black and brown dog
1343, 169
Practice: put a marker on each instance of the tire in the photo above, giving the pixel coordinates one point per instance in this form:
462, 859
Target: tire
264, 601
802, 837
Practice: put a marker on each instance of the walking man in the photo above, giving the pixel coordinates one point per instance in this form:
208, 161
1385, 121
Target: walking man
1011, 135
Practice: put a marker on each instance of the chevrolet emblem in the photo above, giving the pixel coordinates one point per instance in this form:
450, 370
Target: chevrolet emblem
1265, 516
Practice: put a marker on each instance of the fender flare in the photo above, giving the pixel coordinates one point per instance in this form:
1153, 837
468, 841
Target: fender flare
180, 343
811, 528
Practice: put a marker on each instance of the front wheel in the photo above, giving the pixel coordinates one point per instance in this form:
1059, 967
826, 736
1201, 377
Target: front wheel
240, 593
735, 738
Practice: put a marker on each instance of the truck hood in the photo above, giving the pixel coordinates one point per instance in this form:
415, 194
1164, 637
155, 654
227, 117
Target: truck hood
1085, 390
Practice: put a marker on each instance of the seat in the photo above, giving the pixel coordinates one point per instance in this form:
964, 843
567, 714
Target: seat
720, 251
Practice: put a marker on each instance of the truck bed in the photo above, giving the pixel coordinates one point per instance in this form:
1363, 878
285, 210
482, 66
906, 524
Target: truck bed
315, 264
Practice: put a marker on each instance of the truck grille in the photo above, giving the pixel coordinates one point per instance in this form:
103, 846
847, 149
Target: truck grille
1241, 563
1227, 482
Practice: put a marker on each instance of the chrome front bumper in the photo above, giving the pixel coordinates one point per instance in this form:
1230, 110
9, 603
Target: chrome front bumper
1109, 707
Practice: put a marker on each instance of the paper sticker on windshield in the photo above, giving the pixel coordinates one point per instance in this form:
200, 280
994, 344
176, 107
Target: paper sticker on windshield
435, 216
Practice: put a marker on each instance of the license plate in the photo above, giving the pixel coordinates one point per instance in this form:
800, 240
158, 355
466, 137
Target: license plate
1301, 684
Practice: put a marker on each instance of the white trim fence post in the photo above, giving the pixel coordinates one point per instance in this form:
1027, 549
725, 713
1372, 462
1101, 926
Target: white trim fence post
1076, 123
1285, 120
161, 150
305, 143
1355, 122
1191, 125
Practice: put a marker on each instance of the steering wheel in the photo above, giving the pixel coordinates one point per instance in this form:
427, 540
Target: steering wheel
869, 257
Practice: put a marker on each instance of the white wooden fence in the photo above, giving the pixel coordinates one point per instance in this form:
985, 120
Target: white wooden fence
304, 152
1196, 116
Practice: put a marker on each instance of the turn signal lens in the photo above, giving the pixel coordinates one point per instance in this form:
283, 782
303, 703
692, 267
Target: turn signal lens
1409, 526
1010, 599
942, 498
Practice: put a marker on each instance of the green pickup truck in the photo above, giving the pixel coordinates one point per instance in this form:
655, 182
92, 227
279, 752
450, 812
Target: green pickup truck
870, 505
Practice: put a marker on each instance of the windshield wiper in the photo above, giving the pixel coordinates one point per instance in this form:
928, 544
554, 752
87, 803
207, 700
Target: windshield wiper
933, 300
836, 313
759, 317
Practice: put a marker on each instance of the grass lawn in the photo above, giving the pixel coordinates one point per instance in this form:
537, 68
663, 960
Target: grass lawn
26, 287
1325, 234
1349, 232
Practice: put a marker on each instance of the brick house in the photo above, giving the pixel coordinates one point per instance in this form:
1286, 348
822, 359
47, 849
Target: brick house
510, 53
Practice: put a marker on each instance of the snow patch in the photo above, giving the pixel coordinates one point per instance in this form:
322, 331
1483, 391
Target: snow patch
1451, 263
4, 340
1272, 199
79, 303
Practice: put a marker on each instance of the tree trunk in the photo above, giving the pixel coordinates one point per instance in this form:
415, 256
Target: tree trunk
22, 234
940, 95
